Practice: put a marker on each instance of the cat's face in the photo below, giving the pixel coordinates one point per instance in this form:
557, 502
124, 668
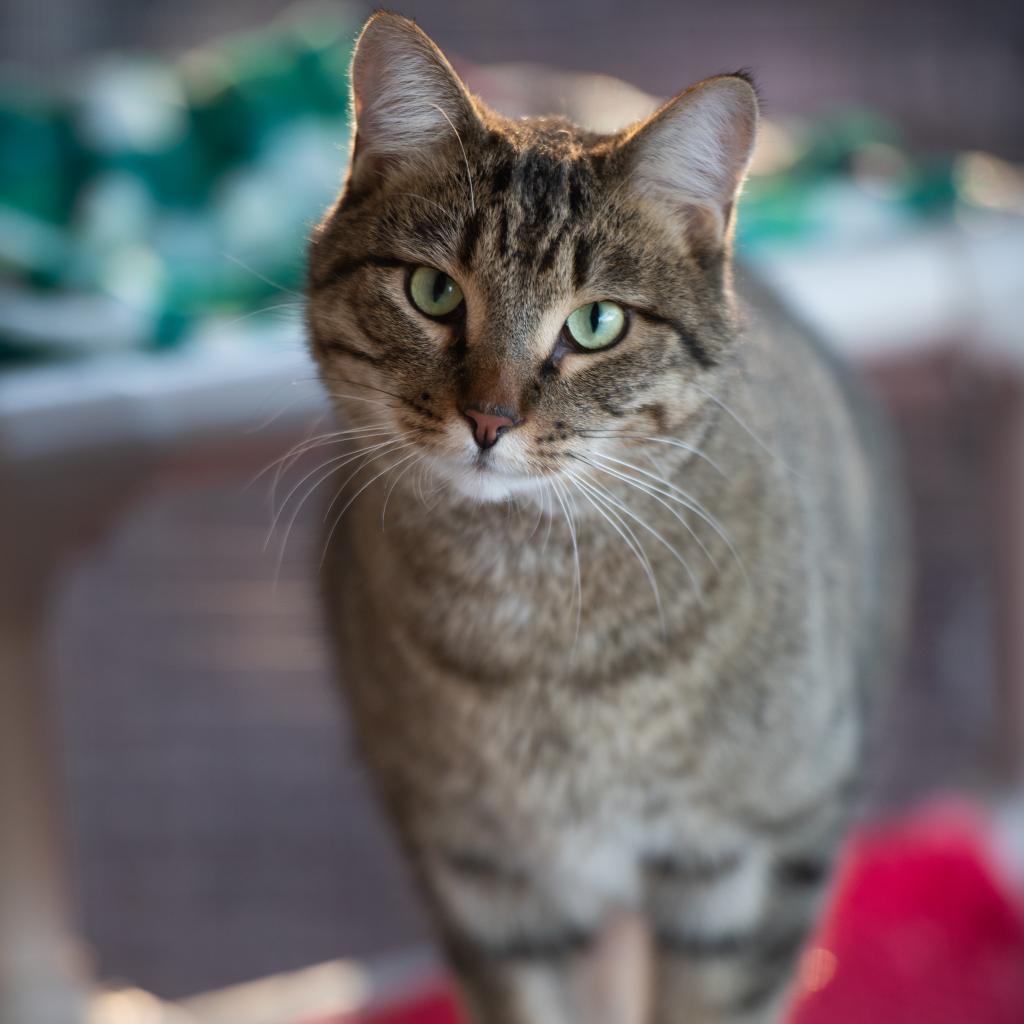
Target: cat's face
502, 297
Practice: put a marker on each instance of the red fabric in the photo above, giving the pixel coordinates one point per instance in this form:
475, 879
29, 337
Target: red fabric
921, 932
430, 1008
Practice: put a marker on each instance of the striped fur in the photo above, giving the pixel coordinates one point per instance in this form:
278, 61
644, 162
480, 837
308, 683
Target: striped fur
620, 661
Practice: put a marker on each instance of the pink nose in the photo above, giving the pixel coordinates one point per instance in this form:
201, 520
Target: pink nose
488, 427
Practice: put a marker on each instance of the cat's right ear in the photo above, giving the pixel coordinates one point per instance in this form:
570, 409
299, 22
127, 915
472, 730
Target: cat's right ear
691, 156
406, 98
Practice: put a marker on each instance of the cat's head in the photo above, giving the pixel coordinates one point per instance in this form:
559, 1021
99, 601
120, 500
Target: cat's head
501, 296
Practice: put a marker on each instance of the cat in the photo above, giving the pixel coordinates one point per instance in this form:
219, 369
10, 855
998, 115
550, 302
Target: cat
615, 575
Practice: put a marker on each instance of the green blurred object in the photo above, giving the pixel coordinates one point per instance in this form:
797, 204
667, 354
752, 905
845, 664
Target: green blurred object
166, 199
37, 156
179, 191
852, 173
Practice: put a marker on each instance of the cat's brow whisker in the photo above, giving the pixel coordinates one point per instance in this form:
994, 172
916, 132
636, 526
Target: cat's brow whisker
465, 159
629, 538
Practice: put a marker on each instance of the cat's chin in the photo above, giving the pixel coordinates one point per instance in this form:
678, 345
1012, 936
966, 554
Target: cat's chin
485, 486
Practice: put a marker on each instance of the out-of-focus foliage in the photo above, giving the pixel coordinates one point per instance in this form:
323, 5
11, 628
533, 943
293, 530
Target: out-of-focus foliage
151, 202
146, 195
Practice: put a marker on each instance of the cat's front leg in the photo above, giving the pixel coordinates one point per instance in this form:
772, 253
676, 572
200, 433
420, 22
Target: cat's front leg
729, 933
518, 956
535, 984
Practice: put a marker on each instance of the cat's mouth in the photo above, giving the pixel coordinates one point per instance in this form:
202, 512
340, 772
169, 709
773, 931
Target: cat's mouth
483, 462
481, 476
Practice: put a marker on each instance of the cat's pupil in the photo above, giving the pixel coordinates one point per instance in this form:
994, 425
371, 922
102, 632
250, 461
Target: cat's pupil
595, 316
440, 283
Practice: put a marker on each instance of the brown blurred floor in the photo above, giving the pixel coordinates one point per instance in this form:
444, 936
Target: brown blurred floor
221, 828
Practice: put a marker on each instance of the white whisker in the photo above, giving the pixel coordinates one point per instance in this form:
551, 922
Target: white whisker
363, 398
344, 460
550, 512
622, 528
576, 557
348, 504
263, 277
275, 416
285, 465
748, 430
319, 441
663, 440
393, 484
298, 508
654, 533
368, 460
264, 309
469, 174
676, 494
653, 492
536, 522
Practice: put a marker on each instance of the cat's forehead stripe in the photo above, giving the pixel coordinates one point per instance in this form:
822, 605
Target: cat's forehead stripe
470, 234
535, 199
582, 255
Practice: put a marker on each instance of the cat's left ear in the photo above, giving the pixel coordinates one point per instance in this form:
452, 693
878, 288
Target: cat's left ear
406, 97
692, 154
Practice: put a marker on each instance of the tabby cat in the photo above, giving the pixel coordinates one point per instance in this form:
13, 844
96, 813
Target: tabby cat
613, 575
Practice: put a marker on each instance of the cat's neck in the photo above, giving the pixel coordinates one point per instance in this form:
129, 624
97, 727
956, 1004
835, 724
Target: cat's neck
647, 545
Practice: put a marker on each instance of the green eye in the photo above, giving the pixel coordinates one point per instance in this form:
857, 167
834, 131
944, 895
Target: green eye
597, 325
433, 292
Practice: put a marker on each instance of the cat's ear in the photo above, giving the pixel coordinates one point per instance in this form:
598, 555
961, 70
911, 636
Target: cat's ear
692, 154
406, 96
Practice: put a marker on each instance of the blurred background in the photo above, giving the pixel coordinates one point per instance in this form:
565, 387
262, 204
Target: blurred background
181, 814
